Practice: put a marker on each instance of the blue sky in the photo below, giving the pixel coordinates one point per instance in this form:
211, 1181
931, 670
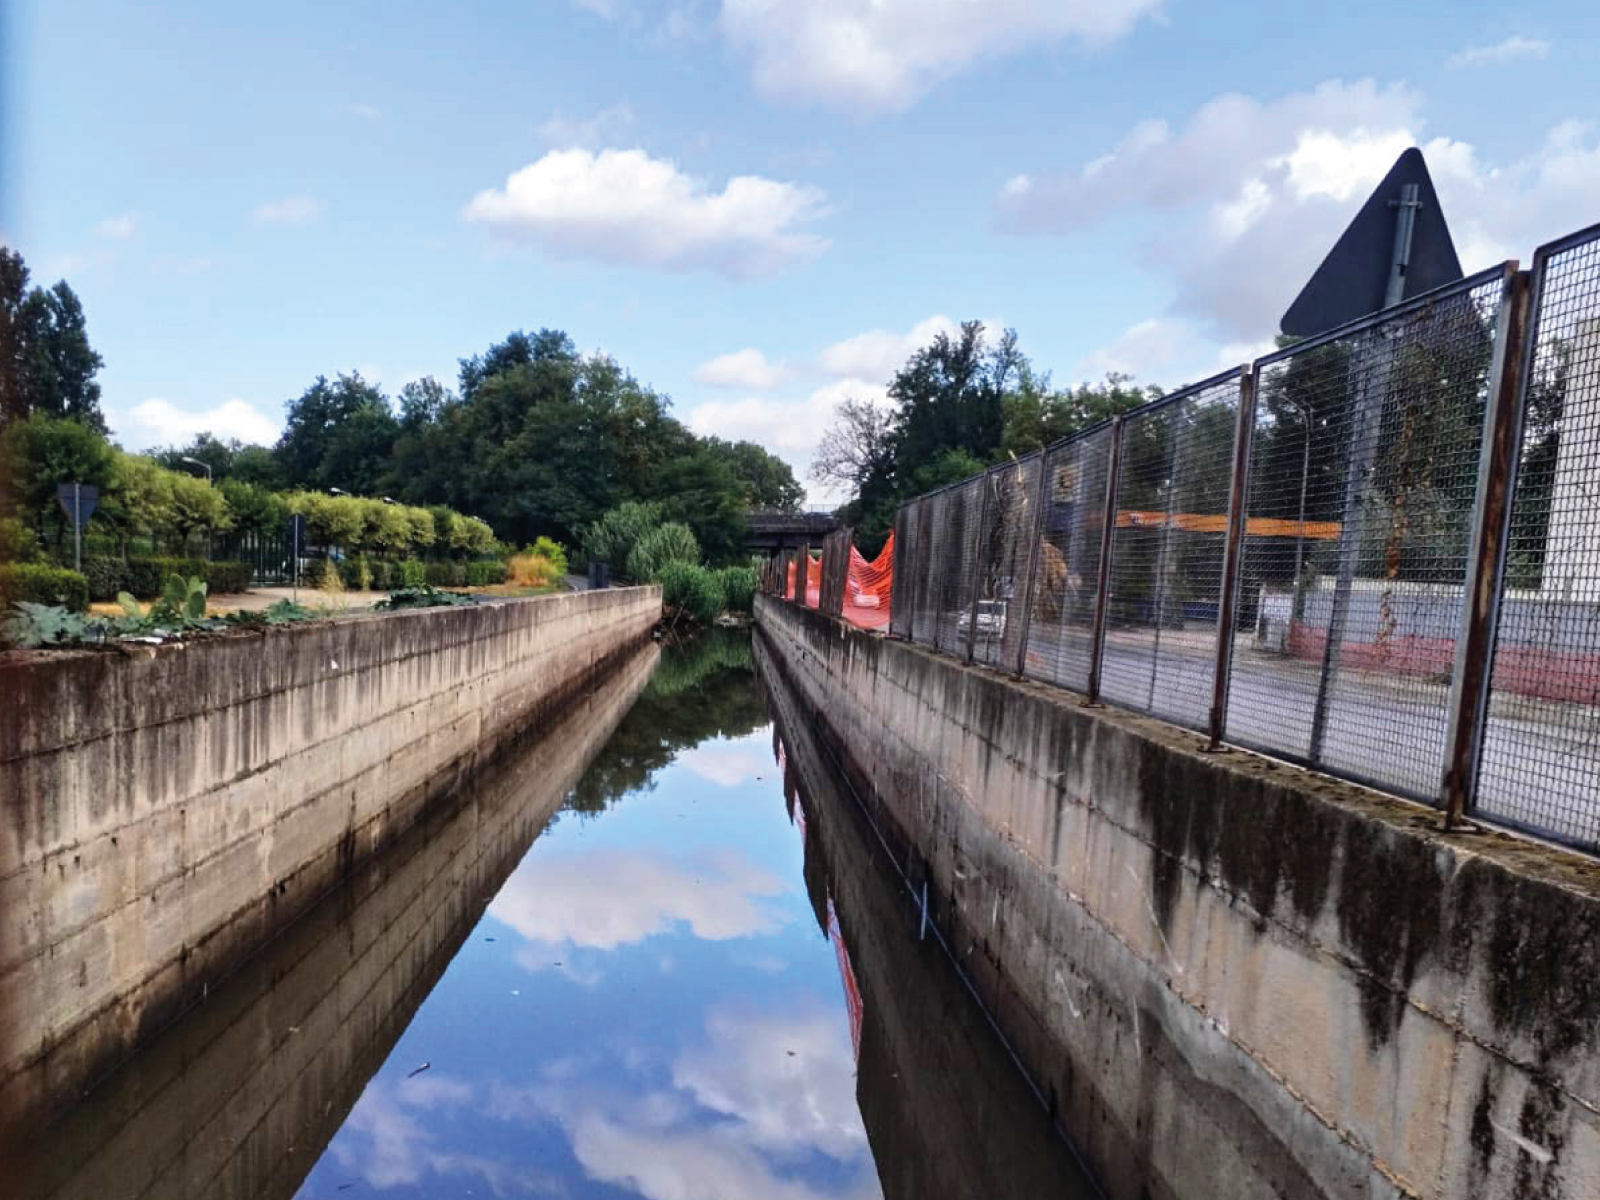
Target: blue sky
757, 206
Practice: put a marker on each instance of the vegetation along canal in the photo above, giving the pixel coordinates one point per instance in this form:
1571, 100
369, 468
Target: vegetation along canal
671, 962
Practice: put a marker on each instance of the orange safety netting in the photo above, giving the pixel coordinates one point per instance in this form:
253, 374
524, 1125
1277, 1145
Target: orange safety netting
867, 588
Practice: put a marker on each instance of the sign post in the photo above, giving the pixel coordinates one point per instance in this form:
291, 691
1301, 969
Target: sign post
296, 532
78, 501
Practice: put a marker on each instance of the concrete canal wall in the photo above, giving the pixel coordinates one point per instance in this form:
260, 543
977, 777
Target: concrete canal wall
1229, 976
164, 810
242, 1096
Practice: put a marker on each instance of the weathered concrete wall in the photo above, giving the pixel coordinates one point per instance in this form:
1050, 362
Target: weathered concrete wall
1231, 977
241, 1097
164, 811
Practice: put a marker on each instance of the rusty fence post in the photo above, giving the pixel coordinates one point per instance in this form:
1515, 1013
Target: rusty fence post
802, 572
977, 575
1509, 372
1237, 518
1097, 643
1041, 495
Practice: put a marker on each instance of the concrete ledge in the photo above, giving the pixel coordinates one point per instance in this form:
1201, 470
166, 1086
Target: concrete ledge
1232, 977
164, 810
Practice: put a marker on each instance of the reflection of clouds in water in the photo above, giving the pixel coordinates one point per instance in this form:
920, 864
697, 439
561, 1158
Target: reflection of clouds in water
799, 1102
385, 1143
607, 898
725, 763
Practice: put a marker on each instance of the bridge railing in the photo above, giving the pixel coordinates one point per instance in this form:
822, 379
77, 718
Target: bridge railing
1375, 553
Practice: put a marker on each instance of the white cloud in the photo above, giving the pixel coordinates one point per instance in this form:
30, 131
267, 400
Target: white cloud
1246, 198
878, 353
881, 55
1513, 48
119, 228
726, 764
158, 422
746, 369
606, 126
577, 901
367, 112
626, 208
290, 210
1145, 351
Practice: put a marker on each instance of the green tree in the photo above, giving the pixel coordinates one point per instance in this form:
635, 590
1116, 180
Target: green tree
46, 362
40, 452
339, 435
765, 480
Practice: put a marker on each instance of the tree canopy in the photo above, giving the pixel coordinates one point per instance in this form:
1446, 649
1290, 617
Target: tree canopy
46, 363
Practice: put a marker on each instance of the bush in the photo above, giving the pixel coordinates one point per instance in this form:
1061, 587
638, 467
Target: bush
17, 542
446, 574
412, 573
224, 577
553, 550
356, 573
486, 572
37, 584
326, 578
533, 570
105, 575
664, 544
611, 539
691, 589
738, 586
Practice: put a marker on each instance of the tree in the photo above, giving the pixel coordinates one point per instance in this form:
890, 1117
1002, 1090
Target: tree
46, 362
40, 452
948, 397
856, 447
338, 435
765, 479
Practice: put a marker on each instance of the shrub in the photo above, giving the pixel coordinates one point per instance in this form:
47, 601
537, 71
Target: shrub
664, 544
356, 573
327, 579
224, 577
611, 539
17, 542
486, 572
738, 586
534, 570
553, 550
106, 575
691, 589
445, 574
37, 584
413, 573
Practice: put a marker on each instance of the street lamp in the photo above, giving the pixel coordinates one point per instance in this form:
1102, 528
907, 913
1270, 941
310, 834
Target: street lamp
206, 467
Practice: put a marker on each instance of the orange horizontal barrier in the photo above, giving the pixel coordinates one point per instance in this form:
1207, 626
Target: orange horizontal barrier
1317, 531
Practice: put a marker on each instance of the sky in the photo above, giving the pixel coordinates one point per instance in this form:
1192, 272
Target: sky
759, 207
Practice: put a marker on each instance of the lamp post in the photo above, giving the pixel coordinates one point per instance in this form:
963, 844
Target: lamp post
206, 467
1300, 528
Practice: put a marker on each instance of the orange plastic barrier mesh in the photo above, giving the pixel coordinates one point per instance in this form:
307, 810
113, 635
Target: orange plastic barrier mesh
867, 588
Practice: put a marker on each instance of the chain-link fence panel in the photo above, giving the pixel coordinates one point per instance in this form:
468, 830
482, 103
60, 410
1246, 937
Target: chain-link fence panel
1067, 562
924, 593
1540, 760
1010, 519
1173, 487
1363, 470
958, 563
906, 549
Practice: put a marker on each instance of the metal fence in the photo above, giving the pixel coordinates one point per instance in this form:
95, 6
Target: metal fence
1376, 552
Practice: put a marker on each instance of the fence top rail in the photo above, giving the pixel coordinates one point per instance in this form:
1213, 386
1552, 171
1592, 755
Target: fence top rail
1560, 245
1501, 271
1187, 392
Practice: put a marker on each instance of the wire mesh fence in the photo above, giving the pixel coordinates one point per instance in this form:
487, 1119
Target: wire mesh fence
1364, 513
1540, 758
1060, 630
1366, 447
1172, 498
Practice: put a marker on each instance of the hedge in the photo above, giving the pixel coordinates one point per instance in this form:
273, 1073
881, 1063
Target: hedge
486, 572
445, 574
38, 584
145, 578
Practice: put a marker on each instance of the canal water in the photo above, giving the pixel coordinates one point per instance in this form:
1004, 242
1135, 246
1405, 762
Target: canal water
657, 953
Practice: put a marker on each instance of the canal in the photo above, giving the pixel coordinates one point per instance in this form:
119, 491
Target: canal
655, 952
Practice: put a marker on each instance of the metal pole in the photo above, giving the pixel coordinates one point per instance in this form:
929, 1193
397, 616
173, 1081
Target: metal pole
77, 527
1300, 530
977, 577
1103, 584
1405, 221
1231, 551
1480, 610
1041, 494
1366, 410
